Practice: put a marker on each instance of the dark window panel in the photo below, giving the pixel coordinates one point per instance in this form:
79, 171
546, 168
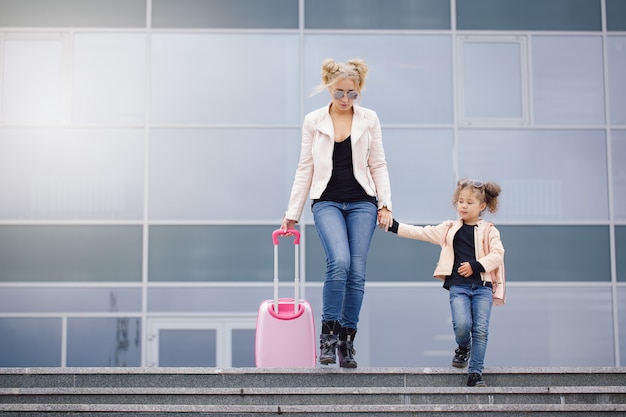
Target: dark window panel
616, 15
70, 253
620, 252
248, 14
73, 13
377, 14
575, 15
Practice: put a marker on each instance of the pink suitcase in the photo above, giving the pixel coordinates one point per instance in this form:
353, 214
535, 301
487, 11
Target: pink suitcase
285, 328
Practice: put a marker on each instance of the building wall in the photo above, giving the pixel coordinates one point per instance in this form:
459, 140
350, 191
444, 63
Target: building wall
147, 150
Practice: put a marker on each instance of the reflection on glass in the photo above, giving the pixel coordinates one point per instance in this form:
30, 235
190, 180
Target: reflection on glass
106, 341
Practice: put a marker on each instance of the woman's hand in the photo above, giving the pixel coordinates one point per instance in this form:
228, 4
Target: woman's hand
288, 224
385, 218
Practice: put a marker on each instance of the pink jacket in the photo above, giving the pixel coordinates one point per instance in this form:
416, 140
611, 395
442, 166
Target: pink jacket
447, 230
316, 158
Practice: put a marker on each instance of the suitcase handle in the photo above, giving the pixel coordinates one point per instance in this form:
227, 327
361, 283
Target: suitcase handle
281, 232
296, 283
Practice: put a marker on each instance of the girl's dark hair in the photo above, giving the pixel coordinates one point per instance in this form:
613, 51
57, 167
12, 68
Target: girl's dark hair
489, 192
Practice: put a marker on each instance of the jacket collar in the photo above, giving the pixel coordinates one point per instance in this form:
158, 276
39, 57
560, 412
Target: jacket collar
359, 123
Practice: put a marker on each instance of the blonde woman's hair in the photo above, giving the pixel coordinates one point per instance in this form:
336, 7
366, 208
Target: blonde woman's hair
333, 71
488, 192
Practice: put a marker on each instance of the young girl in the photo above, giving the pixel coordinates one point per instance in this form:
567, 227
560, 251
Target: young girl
464, 268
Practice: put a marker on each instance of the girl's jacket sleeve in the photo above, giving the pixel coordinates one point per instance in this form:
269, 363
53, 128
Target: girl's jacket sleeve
432, 234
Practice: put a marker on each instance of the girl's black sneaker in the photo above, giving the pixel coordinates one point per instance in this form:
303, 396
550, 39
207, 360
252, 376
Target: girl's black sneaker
475, 380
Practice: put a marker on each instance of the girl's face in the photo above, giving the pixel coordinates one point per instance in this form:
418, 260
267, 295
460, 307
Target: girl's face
343, 93
470, 205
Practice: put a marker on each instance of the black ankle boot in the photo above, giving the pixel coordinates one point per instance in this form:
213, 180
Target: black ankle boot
345, 348
328, 342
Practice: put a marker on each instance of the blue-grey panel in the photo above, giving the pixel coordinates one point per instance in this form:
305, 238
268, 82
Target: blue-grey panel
621, 314
104, 342
556, 253
376, 14
69, 299
616, 15
618, 157
244, 14
77, 13
575, 15
616, 62
70, 253
30, 342
620, 252
217, 253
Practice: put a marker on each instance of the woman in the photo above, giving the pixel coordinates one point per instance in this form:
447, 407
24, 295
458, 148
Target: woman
343, 169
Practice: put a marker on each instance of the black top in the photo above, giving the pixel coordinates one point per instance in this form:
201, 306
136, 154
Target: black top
464, 251
343, 187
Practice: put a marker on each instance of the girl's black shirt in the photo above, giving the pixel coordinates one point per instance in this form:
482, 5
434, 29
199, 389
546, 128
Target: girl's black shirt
464, 251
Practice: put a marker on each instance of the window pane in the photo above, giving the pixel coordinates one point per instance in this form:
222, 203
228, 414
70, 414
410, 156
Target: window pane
278, 14
618, 154
377, 14
621, 304
70, 253
616, 15
222, 174
568, 85
196, 77
535, 186
30, 342
71, 173
180, 348
104, 342
553, 252
575, 15
409, 83
620, 253
81, 13
492, 83
414, 183
616, 47
216, 253
240, 298
243, 348
29, 94
116, 61
69, 299
544, 323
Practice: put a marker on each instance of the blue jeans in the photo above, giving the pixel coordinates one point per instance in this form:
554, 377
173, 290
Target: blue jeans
346, 231
471, 309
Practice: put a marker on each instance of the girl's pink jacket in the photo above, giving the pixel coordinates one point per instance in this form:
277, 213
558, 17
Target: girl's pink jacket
443, 234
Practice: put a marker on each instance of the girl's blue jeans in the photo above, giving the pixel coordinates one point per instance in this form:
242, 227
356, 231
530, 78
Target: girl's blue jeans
346, 231
471, 309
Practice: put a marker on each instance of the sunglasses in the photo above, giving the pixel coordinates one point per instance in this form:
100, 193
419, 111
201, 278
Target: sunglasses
468, 181
352, 95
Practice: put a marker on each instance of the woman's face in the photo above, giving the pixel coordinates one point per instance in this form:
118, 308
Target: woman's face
343, 93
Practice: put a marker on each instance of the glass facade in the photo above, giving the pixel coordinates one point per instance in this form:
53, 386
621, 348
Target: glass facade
148, 147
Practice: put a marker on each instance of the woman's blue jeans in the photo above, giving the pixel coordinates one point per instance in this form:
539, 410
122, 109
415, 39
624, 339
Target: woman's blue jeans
471, 309
346, 231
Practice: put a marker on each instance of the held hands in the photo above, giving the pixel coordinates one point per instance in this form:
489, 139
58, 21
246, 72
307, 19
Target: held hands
385, 219
465, 270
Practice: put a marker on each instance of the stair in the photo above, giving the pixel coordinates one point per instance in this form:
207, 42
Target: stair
316, 392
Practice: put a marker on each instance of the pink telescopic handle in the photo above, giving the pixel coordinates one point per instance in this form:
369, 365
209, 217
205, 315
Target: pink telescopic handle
281, 232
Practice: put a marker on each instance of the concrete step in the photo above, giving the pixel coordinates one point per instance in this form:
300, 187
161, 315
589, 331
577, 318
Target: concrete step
320, 392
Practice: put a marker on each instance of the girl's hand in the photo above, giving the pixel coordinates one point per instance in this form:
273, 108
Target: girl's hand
465, 270
385, 218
